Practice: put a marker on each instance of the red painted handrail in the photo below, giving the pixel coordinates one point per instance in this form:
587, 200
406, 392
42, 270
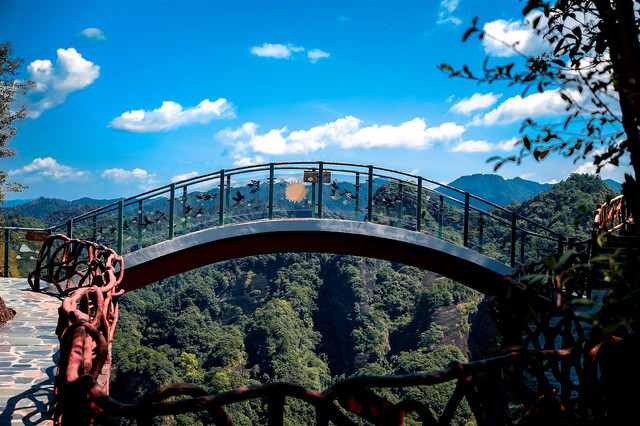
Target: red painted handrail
612, 216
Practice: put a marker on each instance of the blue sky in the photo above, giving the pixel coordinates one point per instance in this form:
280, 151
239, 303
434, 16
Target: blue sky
132, 95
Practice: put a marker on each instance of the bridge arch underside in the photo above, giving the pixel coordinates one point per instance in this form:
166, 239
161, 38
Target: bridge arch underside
213, 245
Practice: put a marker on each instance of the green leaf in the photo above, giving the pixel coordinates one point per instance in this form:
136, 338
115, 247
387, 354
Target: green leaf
543, 154
550, 262
567, 121
526, 142
536, 21
468, 33
565, 256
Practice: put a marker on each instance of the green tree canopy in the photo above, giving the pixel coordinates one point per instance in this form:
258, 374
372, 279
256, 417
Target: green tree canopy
10, 87
592, 62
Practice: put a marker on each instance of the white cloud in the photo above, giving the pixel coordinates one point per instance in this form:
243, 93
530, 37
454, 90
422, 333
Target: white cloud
472, 146
171, 115
281, 51
50, 169
475, 102
345, 132
592, 169
184, 176
54, 83
445, 14
269, 50
518, 108
247, 161
316, 54
139, 176
95, 33
508, 145
484, 146
503, 34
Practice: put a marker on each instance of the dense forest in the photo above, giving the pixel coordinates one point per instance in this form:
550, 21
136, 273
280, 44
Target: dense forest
309, 318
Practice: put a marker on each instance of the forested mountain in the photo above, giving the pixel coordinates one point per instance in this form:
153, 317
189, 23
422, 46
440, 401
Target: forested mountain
568, 208
57, 209
495, 188
42, 206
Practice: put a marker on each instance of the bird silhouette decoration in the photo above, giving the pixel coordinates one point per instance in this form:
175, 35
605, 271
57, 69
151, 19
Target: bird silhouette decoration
205, 196
335, 190
239, 198
254, 185
146, 221
349, 195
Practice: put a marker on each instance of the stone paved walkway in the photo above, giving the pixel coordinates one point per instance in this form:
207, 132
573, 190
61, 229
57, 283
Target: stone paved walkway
29, 351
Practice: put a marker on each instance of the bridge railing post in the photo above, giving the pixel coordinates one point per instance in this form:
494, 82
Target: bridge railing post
320, 178
227, 218
399, 222
70, 228
7, 237
419, 205
560, 244
221, 196
514, 237
271, 183
140, 210
120, 226
314, 211
357, 189
370, 196
94, 224
523, 242
440, 216
185, 199
172, 206
466, 220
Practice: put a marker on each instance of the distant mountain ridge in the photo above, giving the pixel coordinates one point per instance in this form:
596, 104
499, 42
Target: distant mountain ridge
617, 186
41, 207
495, 188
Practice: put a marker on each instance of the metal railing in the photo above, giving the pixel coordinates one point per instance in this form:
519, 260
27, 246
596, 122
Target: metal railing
612, 216
307, 189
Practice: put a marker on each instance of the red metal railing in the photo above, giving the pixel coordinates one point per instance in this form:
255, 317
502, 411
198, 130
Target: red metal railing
91, 275
612, 216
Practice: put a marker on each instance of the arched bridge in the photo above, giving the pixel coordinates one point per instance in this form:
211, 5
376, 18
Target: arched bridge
308, 235
340, 208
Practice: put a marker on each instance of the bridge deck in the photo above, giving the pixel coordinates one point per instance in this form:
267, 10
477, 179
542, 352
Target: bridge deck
28, 354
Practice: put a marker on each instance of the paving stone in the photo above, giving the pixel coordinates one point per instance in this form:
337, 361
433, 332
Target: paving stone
28, 357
